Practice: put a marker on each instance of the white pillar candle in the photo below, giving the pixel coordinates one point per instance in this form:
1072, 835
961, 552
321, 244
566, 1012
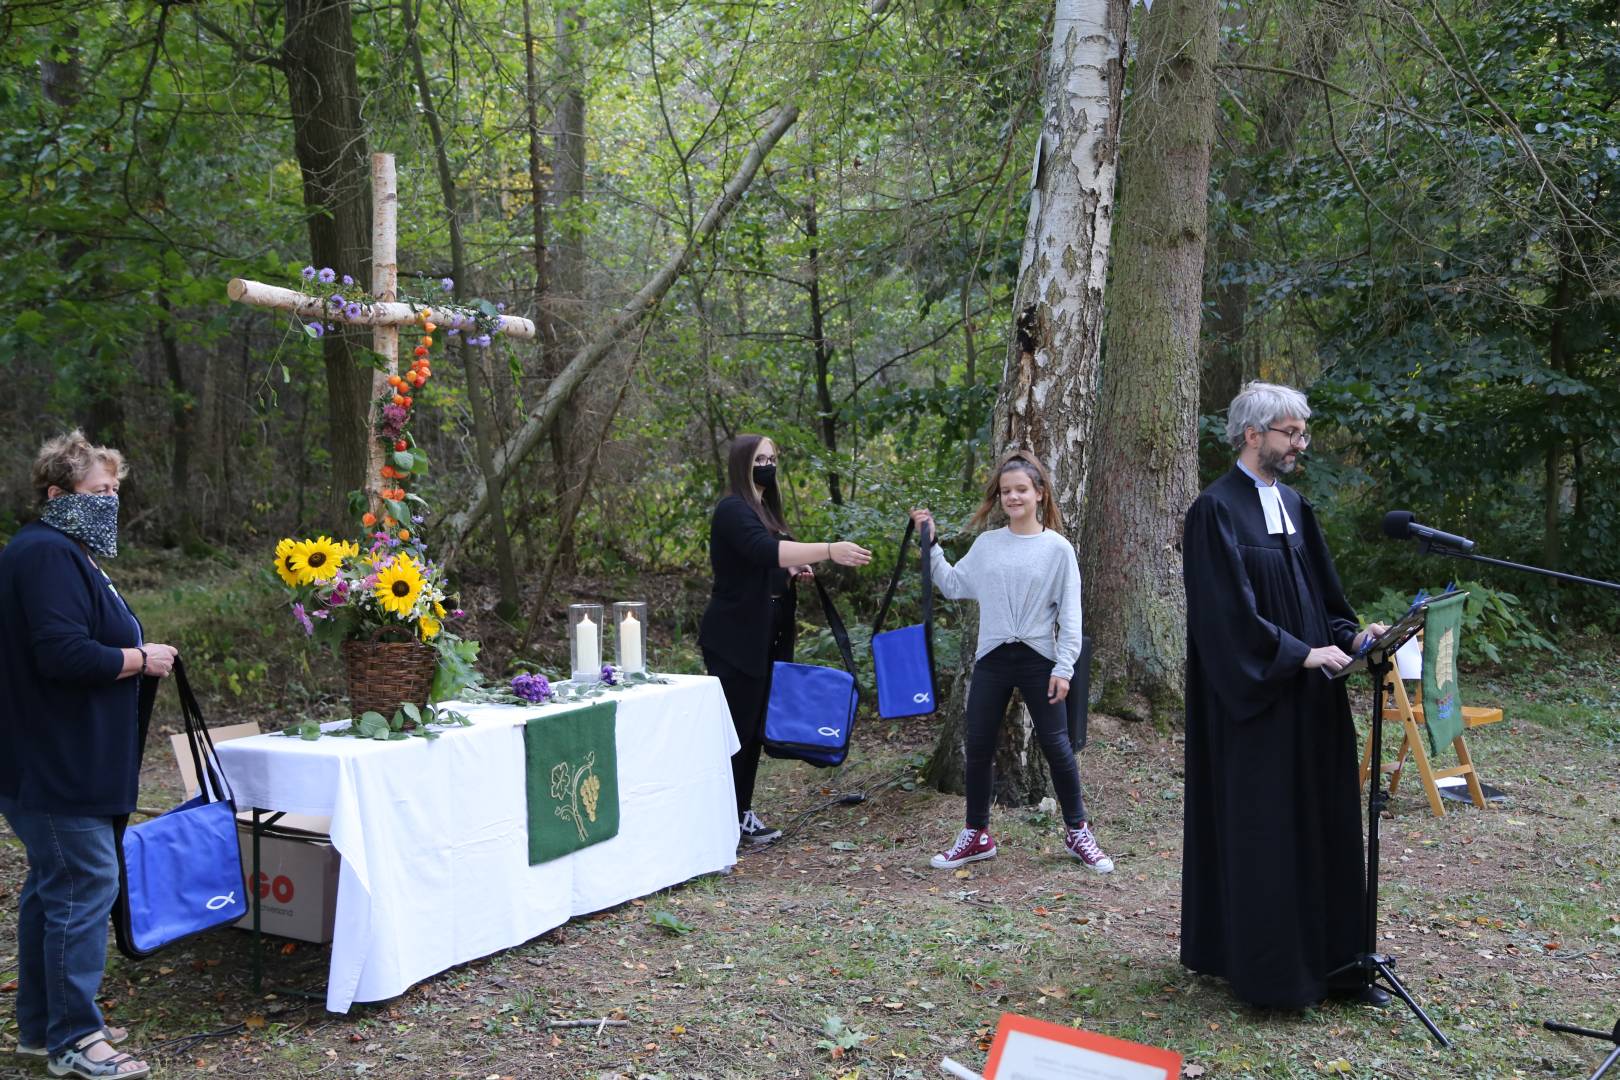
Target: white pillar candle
630, 643
586, 647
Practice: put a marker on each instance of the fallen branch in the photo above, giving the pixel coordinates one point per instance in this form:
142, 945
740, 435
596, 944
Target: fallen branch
598, 1024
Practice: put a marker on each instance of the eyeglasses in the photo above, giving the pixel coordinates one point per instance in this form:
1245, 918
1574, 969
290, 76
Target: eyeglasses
1301, 439
764, 459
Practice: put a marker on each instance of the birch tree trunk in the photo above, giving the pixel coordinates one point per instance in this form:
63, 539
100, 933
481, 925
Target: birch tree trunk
1145, 438
1049, 383
566, 303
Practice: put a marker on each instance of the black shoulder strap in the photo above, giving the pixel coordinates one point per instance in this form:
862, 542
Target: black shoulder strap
835, 623
209, 779
925, 541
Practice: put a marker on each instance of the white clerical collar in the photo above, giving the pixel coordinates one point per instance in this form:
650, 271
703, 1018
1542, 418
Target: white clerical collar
1271, 502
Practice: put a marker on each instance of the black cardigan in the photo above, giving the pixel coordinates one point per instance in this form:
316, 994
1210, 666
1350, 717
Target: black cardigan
69, 741
737, 625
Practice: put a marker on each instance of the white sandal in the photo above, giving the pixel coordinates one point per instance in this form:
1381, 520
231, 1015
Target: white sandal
75, 1062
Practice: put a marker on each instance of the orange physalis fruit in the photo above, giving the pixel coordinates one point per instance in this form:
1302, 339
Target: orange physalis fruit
427, 341
368, 519
421, 351
425, 314
401, 444
428, 327
404, 534
399, 399
388, 472
387, 518
405, 402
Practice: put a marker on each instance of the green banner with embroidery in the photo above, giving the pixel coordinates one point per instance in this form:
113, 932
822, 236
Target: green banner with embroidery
572, 779
1442, 699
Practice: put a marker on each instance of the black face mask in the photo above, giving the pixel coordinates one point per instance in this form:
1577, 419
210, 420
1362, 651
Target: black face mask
764, 475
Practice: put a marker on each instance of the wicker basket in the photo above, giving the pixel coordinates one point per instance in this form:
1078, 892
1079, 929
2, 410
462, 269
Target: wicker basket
383, 675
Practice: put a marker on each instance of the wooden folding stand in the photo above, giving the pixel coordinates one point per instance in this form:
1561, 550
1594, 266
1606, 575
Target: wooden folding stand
1409, 712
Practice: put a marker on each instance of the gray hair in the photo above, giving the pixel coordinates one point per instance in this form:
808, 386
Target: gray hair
1259, 405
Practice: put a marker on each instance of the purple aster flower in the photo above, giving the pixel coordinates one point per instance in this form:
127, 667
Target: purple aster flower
336, 299
303, 619
535, 688
447, 284
347, 280
308, 272
483, 341
500, 306
315, 329
607, 675
417, 519
327, 275
452, 331
351, 311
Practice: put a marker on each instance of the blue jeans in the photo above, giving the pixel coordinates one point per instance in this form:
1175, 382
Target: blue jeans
62, 925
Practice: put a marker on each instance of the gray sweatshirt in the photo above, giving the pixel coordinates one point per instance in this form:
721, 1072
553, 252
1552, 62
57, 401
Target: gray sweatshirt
1028, 589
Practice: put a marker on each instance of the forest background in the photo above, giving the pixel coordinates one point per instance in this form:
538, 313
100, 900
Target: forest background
1407, 209
1411, 214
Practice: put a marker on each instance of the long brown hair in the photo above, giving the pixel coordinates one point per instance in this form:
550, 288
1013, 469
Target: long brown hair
740, 482
1047, 512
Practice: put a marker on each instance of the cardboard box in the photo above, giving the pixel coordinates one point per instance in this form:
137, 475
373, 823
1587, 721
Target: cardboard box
296, 888
298, 866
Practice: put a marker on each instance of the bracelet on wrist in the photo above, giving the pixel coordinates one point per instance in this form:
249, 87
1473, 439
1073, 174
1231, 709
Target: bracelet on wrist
143, 658
829, 552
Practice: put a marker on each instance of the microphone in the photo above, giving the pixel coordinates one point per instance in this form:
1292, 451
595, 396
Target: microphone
1398, 525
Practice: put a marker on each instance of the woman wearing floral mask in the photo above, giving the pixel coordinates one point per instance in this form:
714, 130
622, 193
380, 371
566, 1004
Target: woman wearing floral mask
72, 658
748, 624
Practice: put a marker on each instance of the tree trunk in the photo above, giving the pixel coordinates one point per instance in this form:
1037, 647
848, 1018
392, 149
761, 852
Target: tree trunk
538, 193
483, 421
567, 314
818, 338
181, 406
323, 91
1552, 463
1050, 379
1146, 433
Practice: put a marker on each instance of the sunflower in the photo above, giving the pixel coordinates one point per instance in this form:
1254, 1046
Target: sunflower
399, 586
349, 549
286, 561
429, 626
317, 560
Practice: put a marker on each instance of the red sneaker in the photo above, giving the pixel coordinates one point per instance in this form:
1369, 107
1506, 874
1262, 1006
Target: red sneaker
1083, 846
971, 846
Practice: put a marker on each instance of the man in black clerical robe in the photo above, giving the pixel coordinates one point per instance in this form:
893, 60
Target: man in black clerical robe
1273, 883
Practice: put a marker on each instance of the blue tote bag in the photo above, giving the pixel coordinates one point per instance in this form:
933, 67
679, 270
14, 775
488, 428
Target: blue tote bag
903, 659
810, 713
181, 873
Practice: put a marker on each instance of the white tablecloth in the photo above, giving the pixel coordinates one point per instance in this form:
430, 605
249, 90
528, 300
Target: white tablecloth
434, 834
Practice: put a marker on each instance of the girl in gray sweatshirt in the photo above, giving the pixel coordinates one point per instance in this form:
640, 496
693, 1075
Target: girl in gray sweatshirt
1027, 582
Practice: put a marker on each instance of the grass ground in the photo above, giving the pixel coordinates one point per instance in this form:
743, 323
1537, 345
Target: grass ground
837, 952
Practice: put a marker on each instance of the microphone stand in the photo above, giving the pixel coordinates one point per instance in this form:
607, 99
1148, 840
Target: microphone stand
1435, 547
1373, 964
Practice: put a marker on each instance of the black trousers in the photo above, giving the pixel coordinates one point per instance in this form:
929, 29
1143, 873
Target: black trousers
995, 675
746, 696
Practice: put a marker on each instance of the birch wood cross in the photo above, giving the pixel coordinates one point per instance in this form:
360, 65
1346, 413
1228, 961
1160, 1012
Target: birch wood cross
385, 317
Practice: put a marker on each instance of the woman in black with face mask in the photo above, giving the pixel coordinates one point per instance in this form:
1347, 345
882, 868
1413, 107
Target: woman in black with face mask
72, 656
749, 623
